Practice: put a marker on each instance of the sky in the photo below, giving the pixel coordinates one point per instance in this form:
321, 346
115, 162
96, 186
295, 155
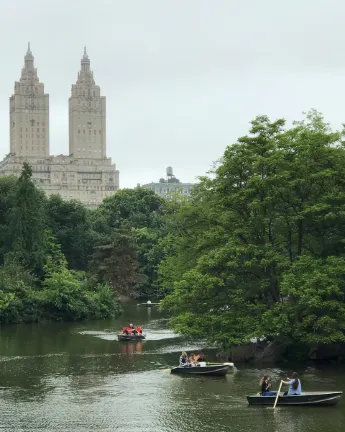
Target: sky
182, 79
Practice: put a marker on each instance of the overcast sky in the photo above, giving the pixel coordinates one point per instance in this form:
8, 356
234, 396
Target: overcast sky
182, 78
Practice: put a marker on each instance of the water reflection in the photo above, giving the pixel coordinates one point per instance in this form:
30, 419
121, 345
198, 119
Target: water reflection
131, 348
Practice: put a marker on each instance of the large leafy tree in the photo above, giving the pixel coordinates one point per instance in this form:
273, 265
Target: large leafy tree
277, 196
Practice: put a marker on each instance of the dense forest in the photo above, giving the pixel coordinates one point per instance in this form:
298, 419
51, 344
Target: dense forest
258, 251
61, 261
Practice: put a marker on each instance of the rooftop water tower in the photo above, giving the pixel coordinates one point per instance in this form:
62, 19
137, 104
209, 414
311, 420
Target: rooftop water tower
170, 172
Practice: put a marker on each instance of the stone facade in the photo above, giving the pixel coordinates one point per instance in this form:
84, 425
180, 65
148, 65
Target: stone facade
86, 174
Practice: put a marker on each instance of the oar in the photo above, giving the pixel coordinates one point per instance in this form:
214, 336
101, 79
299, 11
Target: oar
221, 364
275, 403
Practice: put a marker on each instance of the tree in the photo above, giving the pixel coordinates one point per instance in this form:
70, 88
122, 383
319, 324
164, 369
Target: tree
115, 262
7, 197
70, 223
143, 213
277, 196
137, 208
26, 223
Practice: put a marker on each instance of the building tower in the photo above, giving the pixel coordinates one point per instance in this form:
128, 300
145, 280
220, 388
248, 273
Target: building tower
29, 113
87, 116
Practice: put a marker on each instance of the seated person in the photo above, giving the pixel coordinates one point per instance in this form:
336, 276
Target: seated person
130, 330
184, 360
295, 386
192, 360
265, 384
200, 357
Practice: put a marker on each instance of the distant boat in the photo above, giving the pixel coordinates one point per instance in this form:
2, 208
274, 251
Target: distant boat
147, 304
306, 398
219, 370
125, 337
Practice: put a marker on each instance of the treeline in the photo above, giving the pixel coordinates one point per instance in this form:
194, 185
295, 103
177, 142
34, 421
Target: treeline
61, 261
260, 249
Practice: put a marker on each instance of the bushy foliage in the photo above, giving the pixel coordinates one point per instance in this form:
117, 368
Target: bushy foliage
260, 249
35, 281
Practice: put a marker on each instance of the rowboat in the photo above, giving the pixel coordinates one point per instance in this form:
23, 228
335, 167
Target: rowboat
124, 337
306, 398
147, 304
219, 370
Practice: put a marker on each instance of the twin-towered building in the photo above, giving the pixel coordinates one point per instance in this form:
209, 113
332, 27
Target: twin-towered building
86, 174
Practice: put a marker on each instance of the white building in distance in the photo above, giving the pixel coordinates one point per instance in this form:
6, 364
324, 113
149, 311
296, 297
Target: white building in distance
86, 174
169, 186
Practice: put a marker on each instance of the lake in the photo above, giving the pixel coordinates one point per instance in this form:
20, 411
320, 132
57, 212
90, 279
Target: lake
78, 377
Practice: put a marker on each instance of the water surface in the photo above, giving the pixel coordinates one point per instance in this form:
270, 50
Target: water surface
78, 377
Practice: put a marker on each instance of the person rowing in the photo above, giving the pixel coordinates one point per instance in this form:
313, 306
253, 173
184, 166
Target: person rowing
295, 386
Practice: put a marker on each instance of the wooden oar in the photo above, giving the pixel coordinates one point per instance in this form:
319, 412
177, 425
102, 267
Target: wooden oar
275, 402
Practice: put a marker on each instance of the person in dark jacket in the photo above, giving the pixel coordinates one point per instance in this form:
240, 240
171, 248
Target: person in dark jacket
266, 385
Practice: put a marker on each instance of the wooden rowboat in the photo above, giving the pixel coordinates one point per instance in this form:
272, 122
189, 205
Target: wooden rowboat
219, 370
305, 399
124, 337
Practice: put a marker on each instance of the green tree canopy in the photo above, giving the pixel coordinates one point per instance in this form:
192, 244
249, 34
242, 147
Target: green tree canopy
277, 195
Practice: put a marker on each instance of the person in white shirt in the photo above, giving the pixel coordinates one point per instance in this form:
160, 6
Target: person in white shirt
294, 383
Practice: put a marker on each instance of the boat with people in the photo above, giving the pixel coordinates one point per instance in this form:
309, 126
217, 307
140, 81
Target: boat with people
195, 365
294, 395
130, 333
201, 369
304, 399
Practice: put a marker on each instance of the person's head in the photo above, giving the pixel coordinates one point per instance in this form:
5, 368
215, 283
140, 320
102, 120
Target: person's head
184, 354
264, 379
131, 325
